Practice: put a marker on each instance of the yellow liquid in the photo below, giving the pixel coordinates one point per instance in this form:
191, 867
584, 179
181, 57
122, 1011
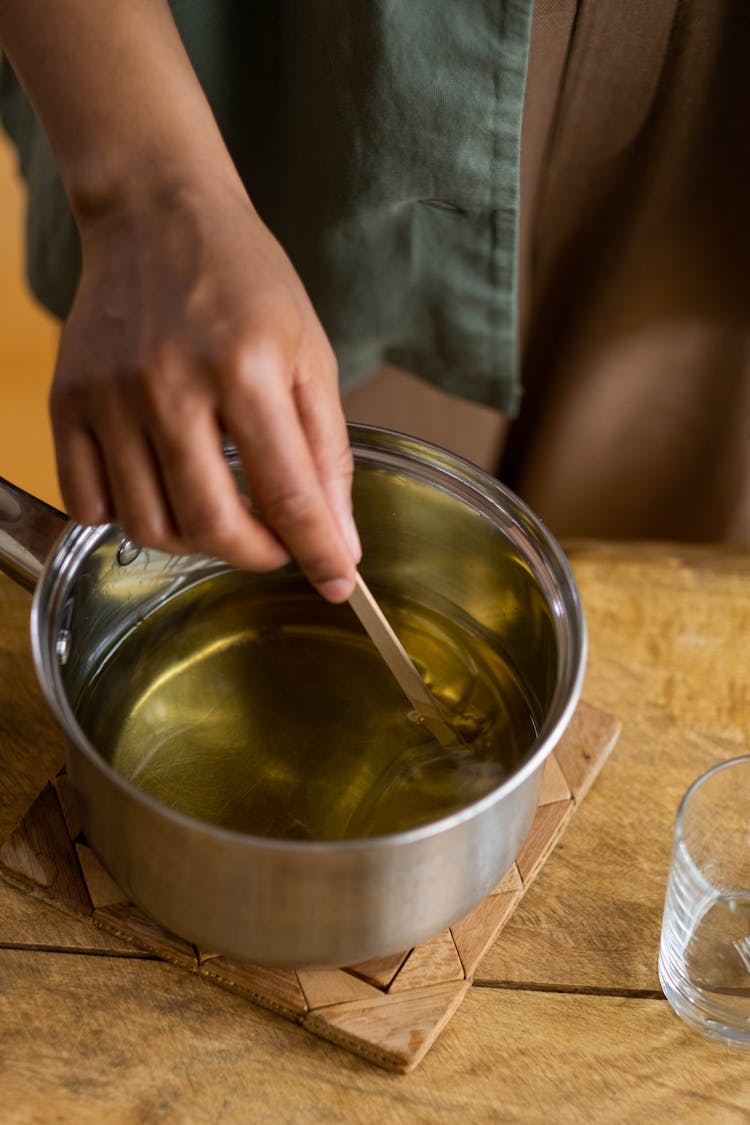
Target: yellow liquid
273, 714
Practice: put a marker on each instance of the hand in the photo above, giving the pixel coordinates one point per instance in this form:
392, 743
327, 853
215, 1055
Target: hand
190, 321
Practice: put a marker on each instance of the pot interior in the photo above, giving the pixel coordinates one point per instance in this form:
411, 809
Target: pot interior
220, 692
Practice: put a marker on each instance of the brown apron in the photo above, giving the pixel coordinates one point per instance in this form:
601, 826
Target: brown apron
635, 278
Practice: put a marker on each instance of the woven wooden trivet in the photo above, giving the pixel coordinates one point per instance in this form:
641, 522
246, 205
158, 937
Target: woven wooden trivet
389, 1010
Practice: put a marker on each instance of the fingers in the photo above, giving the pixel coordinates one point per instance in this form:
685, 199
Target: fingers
167, 485
322, 420
99, 488
147, 378
208, 508
281, 469
81, 474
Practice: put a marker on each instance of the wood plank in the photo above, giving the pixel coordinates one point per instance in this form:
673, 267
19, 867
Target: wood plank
554, 787
333, 986
578, 752
474, 934
684, 699
29, 921
593, 916
380, 971
511, 881
206, 955
433, 962
277, 989
39, 857
64, 791
101, 887
669, 642
669, 633
31, 744
128, 922
543, 835
131, 1043
395, 1031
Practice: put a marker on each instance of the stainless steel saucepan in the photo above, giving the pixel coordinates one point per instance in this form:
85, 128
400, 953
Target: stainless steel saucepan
431, 524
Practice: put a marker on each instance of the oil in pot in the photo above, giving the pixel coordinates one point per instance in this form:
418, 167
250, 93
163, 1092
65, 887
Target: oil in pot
268, 711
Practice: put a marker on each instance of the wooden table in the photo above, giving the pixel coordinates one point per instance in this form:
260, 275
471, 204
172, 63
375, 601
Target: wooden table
565, 1022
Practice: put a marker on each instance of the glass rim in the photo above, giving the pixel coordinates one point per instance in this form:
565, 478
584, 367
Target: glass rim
679, 835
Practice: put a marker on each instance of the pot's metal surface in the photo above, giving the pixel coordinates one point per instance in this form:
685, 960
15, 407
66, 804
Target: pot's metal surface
433, 527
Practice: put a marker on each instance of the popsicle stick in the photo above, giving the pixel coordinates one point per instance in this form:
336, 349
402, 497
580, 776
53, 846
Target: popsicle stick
376, 625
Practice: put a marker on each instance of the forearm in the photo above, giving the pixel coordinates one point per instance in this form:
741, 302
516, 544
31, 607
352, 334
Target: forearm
117, 96
188, 321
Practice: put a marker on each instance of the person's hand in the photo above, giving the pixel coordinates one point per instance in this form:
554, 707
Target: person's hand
190, 322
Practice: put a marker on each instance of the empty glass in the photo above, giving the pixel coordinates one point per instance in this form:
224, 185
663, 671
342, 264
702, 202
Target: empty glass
704, 957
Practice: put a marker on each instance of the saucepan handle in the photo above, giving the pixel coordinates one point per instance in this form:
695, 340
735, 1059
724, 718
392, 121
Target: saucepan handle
28, 530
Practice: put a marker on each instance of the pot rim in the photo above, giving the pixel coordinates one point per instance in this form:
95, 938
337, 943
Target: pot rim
467, 481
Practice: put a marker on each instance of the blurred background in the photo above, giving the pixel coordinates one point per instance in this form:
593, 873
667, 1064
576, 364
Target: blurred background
28, 342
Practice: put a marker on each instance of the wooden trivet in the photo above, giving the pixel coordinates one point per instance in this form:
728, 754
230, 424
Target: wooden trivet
389, 1010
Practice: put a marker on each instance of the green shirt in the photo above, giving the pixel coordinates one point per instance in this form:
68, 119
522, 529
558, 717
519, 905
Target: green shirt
380, 141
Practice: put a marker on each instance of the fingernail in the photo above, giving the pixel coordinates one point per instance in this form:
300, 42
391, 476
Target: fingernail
335, 589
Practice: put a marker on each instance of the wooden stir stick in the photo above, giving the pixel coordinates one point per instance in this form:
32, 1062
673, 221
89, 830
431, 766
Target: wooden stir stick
376, 625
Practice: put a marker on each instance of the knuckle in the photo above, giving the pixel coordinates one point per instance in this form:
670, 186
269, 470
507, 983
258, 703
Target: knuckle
150, 385
319, 369
172, 408
148, 530
125, 376
68, 399
329, 365
150, 392
343, 462
338, 470
290, 509
212, 532
323, 568
87, 511
296, 517
242, 364
173, 424
141, 375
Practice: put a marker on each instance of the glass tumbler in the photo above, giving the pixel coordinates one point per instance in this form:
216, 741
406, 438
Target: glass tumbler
704, 955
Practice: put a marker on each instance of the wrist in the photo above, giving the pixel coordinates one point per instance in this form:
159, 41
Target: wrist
149, 176
121, 105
